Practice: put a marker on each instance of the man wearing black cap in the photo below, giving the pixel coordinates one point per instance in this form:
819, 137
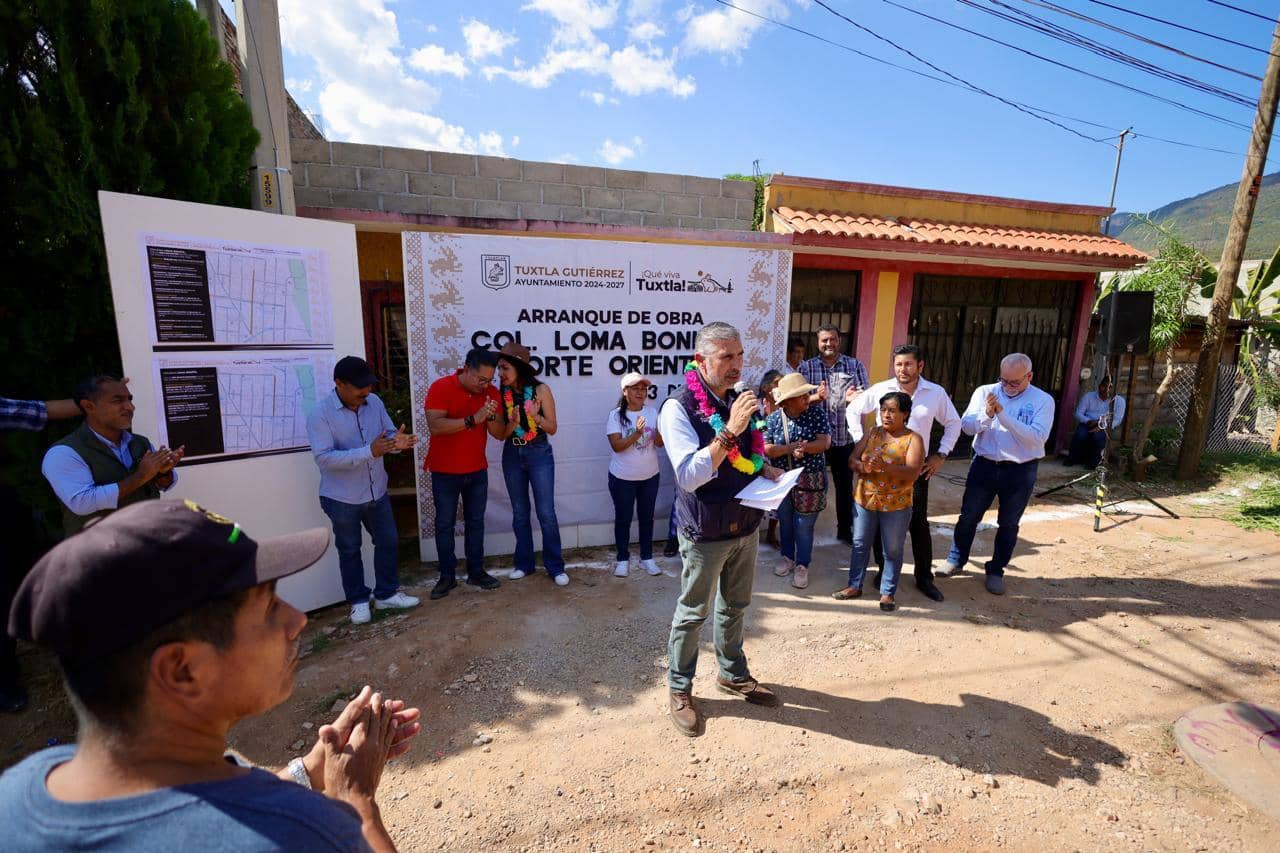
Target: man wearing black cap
350, 431
166, 625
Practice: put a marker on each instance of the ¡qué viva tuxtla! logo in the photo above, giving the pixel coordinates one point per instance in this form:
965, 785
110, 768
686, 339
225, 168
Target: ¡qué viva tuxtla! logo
673, 282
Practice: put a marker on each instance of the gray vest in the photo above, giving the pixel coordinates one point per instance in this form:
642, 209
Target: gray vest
106, 469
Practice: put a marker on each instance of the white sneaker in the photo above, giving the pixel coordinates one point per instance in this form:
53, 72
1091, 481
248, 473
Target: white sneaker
651, 567
784, 567
946, 570
622, 569
360, 613
562, 579
516, 574
399, 601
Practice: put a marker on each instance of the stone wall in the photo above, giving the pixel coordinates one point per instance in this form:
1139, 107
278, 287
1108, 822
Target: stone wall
402, 180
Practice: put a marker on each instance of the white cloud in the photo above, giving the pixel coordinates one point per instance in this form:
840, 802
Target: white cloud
636, 71
643, 9
483, 40
434, 59
515, 142
367, 91
646, 31
615, 153
597, 98
294, 85
724, 30
491, 143
565, 158
431, 28
577, 20
593, 60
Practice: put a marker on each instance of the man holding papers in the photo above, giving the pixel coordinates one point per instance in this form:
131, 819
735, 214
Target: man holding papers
715, 442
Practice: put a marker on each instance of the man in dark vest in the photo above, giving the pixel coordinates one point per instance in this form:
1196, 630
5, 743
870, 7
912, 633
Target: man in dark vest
709, 432
102, 466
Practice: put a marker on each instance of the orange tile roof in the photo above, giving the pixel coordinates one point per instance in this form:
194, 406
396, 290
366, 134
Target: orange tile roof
1060, 244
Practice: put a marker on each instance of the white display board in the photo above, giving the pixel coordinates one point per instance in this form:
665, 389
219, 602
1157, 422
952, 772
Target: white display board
230, 322
590, 311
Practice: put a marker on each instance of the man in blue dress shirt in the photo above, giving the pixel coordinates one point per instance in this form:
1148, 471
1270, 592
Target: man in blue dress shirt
102, 466
1095, 417
350, 431
1010, 422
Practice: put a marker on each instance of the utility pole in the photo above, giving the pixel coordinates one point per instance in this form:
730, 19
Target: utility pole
262, 81
1197, 421
212, 13
1115, 178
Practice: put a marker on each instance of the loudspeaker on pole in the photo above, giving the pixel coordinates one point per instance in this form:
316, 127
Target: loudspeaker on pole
1126, 322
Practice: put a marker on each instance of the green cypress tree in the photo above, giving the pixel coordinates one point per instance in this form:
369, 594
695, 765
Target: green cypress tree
122, 95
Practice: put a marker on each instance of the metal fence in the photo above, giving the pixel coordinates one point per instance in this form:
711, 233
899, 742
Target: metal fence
1237, 422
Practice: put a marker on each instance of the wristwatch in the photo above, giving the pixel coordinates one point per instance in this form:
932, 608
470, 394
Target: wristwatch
469, 421
298, 771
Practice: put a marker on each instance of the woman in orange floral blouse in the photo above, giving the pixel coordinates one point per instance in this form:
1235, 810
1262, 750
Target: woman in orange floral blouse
887, 461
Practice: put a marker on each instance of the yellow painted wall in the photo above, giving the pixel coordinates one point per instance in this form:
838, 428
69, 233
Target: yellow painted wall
882, 338
811, 198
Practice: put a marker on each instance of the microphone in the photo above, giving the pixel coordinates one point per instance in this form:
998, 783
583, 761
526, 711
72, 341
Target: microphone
739, 387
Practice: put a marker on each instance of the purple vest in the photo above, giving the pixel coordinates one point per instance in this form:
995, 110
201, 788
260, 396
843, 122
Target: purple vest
711, 513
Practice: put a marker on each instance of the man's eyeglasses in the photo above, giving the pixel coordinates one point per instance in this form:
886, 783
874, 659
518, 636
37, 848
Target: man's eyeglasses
1014, 383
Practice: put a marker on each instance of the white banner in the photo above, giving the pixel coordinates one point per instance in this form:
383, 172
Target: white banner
590, 311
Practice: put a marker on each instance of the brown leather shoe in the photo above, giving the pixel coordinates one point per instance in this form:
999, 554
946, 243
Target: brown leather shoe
749, 689
684, 716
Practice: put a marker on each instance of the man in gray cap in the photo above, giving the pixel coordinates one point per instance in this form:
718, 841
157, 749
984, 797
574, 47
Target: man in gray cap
166, 625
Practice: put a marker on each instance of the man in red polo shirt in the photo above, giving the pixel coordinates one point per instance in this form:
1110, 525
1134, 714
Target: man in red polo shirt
460, 416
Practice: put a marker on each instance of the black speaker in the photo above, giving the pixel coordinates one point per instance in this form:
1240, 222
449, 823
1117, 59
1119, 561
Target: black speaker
1126, 322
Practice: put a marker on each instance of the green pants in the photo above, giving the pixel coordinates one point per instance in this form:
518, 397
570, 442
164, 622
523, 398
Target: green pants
725, 570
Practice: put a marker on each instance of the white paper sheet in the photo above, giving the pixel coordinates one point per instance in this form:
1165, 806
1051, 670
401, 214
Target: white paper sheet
763, 493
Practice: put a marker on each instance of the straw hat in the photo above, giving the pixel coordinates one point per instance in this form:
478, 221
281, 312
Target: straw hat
792, 385
516, 352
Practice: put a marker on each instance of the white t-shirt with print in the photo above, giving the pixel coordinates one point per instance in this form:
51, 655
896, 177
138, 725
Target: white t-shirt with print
640, 460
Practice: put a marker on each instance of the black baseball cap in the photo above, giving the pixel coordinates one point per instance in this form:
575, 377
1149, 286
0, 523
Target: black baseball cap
140, 568
355, 371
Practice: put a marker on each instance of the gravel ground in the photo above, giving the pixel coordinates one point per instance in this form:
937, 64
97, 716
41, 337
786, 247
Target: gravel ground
1040, 720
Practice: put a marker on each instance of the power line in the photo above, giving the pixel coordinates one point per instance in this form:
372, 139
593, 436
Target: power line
1047, 28
960, 83
1033, 54
958, 79
1242, 11
1154, 19
1062, 10
946, 82
1176, 25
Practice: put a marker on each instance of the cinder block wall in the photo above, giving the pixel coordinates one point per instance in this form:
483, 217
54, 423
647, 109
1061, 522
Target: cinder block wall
374, 177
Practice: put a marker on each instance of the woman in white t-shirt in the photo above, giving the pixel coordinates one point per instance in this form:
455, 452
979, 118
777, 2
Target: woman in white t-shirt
632, 429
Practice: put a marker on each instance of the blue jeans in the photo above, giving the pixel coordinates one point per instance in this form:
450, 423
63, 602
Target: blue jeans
1087, 446
643, 494
987, 480
795, 530
378, 519
525, 467
713, 571
473, 489
892, 527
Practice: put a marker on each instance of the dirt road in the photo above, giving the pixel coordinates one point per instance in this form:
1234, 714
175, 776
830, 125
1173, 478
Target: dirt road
1040, 720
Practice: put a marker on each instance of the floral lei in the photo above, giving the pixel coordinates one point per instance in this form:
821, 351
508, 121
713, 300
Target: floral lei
746, 466
521, 433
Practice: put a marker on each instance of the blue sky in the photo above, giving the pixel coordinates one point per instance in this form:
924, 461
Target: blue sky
692, 86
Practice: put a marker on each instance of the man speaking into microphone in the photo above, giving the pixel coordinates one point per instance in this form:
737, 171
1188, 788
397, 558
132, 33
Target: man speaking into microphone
715, 442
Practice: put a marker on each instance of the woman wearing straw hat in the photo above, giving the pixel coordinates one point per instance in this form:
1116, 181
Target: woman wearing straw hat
632, 430
529, 417
798, 435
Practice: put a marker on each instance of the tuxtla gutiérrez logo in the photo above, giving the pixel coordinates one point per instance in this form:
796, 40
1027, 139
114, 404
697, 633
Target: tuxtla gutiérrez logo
495, 271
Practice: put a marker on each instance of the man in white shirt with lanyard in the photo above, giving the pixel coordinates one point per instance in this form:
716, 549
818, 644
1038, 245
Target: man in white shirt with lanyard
1010, 422
930, 404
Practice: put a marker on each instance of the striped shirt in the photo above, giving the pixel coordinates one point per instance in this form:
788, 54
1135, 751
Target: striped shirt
850, 372
22, 414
